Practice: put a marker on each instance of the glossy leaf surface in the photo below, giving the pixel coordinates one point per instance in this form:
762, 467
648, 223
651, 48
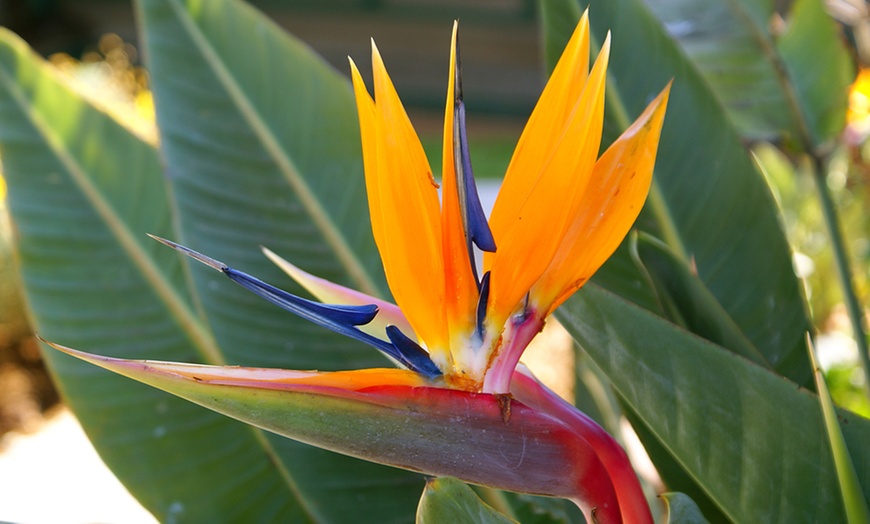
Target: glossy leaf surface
83, 193
262, 149
93, 278
449, 500
686, 301
854, 500
695, 397
682, 510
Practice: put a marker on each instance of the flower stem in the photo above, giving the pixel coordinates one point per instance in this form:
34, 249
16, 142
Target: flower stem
633, 506
516, 338
844, 273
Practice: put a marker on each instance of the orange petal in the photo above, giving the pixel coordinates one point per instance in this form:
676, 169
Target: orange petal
270, 378
614, 197
461, 287
410, 216
365, 107
543, 129
526, 245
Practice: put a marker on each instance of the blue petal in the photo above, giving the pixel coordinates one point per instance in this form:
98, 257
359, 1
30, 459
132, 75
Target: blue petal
411, 354
481, 303
473, 218
323, 314
339, 318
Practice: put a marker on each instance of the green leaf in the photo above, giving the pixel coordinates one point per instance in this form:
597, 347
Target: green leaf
446, 499
261, 147
532, 509
727, 41
854, 501
819, 68
450, 500
685, 299
778, 74
674, 477
748, 438
558, 20
708, 202
83, 192
682, 509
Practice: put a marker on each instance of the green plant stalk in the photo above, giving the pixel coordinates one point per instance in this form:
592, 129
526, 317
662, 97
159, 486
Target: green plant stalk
854, 502
844, 274
832, 222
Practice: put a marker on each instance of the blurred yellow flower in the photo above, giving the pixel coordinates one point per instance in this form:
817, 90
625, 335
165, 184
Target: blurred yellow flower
858, 113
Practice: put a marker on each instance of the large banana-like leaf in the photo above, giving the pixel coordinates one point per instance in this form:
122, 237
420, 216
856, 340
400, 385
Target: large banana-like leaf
754, 442
779, 74
83, 194
709, 202
261, 146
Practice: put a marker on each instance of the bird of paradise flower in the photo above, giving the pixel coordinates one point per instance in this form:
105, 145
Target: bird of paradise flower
461, 405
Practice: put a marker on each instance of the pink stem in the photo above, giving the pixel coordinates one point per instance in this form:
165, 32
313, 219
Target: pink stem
632, 502
519, 332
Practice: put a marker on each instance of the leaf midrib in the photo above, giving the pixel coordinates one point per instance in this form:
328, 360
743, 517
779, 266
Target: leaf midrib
201, 338
309, 201
312, 204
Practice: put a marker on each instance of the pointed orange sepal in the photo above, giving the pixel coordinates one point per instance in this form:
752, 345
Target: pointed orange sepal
460, 285
544, 127
528, 243
365, 107
616, 193
405, 208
